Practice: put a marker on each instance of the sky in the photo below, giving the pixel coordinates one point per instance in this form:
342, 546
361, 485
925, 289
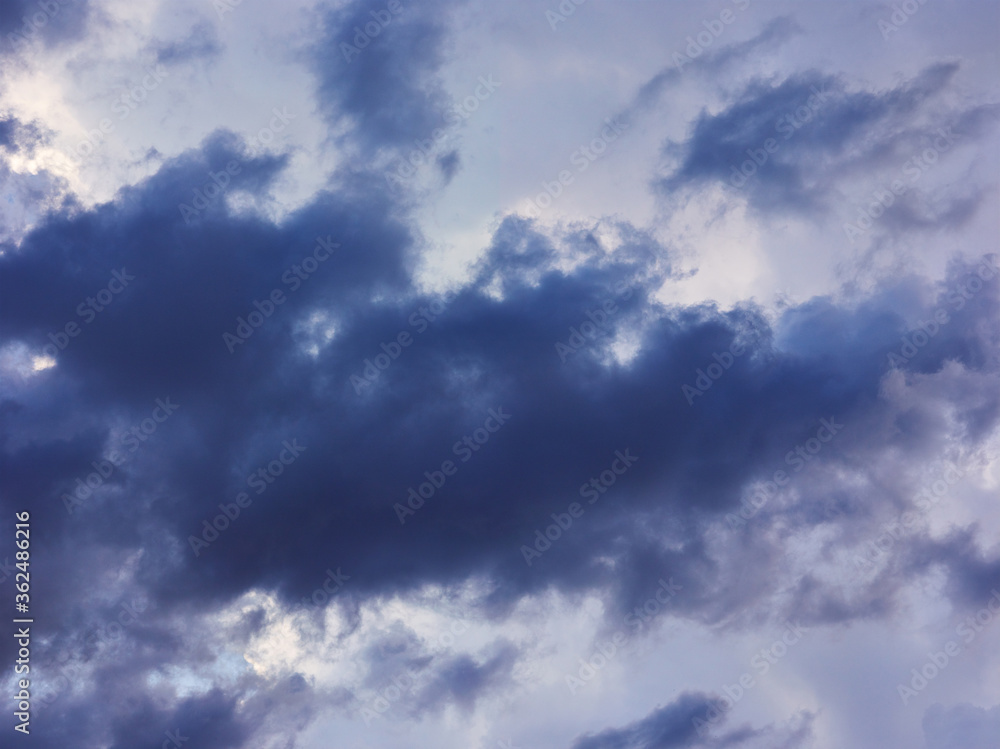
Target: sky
528, 375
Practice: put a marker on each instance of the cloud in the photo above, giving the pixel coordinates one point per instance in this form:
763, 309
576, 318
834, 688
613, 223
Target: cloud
449, 164
675, 726
963, 725
53, 22
378, 70
201, 43
462, 681
17, 136
775, 33
7, 129
27, 193
306, 327
163, 336
794, 146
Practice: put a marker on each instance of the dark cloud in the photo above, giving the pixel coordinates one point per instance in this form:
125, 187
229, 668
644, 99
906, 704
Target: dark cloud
794, 145
683, 724
378, 71
462, 680
207, 720
7, 128
21, 136
24, 22
556, 330
449, 164
972, 576
163, 336
669, 726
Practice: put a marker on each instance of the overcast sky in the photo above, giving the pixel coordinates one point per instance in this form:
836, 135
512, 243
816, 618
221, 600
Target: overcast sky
582, 375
